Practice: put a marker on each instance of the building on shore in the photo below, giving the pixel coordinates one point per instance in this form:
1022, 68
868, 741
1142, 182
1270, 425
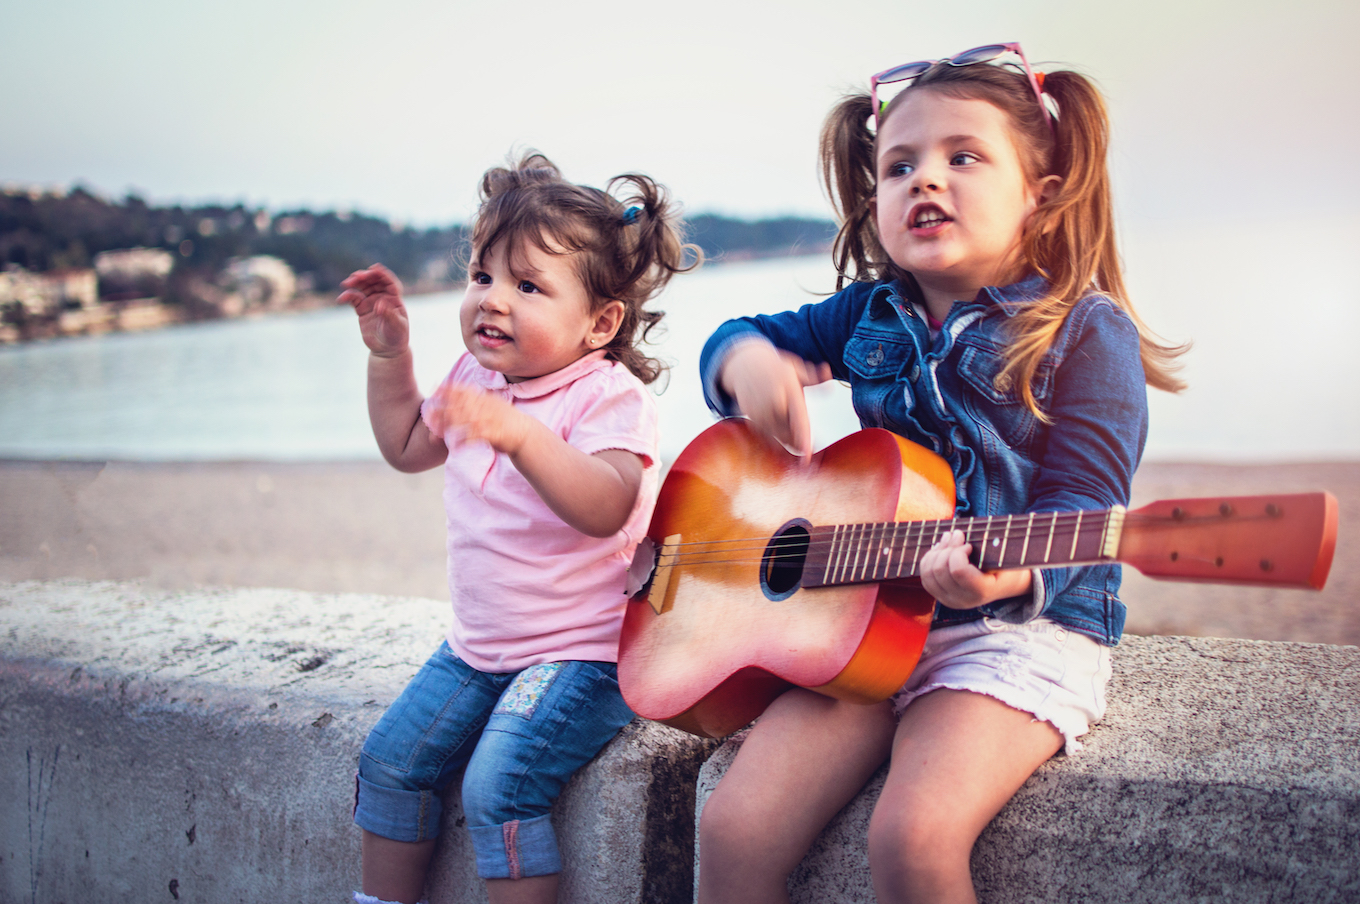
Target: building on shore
131, 289
261, 281
41, 294
128, 273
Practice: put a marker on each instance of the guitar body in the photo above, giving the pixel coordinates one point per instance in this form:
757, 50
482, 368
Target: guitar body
729, 637
763, 573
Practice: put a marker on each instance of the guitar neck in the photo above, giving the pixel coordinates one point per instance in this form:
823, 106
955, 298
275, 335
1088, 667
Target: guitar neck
892, 550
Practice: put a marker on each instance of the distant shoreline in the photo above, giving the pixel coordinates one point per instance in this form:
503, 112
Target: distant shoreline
141, 314
75, 263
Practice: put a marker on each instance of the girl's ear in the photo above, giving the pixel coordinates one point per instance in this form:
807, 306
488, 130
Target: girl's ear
1048, 188
606, 324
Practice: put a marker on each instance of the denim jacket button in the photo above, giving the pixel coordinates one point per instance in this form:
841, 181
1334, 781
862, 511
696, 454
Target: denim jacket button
875, 357
916, 373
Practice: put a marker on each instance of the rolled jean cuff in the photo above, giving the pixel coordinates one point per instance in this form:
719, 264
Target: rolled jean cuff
397, 814
517, 849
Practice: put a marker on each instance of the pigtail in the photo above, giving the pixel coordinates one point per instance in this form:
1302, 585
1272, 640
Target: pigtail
847, 158
1070, 241
649, 249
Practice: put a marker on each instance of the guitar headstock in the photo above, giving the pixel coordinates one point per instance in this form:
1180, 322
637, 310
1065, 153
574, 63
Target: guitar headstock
1283, 540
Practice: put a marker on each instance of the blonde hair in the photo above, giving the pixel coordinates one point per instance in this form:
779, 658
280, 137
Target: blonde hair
627, 239
1069, 240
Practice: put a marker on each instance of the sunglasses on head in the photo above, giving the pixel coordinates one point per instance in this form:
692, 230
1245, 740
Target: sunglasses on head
986, 54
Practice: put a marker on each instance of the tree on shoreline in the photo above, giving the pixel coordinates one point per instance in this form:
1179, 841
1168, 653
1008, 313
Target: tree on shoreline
41, 231
45, 231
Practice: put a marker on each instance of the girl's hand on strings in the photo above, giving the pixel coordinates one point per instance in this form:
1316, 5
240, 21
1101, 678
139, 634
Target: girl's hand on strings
767, 385
375, 295
478, 415
951, 578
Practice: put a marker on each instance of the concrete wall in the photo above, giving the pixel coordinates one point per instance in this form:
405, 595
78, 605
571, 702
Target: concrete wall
1225, 770
201, 747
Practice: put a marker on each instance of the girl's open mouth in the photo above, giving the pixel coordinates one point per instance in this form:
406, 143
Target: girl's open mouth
927, 219
490, 337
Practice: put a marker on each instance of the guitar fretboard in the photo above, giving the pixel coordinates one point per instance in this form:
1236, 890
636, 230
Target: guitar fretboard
892, 550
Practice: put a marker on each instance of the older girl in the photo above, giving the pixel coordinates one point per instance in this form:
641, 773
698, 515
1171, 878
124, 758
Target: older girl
986, 320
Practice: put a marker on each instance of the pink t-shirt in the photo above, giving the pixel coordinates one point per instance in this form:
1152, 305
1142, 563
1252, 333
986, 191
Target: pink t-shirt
527, 588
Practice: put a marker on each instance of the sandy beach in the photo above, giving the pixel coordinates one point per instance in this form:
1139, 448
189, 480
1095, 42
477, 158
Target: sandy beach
362, 527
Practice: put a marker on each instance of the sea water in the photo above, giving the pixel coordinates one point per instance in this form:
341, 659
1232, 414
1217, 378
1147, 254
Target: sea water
1274, 371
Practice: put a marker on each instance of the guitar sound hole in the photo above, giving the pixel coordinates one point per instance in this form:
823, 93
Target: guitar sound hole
781, 567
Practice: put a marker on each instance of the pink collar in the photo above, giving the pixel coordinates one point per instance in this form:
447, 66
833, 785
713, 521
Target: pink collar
541, 386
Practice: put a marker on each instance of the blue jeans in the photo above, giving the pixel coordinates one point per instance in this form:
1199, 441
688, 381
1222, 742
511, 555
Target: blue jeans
521, 737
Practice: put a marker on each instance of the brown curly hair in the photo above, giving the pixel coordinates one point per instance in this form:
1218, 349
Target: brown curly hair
627, 240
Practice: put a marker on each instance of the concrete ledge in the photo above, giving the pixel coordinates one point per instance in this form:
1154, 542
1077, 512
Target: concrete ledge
201, 747
1225, 770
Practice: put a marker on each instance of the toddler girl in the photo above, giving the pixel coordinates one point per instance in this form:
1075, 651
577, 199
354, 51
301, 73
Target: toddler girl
987, 321
548, 439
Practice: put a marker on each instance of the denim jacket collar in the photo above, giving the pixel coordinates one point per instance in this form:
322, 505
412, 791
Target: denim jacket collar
900, 294
1015, 296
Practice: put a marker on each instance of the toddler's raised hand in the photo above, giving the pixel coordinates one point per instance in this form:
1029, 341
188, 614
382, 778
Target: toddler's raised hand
767, 385
478, 415
375, 294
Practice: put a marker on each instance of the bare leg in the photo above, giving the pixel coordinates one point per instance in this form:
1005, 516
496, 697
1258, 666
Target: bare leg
957, 759
533, 890
805, 759
395, 870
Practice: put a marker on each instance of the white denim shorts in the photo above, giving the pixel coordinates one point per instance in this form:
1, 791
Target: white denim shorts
1038, 667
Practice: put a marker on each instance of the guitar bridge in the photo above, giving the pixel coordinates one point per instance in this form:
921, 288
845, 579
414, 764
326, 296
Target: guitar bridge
649, 575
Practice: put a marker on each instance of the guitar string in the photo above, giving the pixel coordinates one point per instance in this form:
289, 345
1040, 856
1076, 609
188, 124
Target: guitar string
697, 558
878, 532
1017, 529
868, 528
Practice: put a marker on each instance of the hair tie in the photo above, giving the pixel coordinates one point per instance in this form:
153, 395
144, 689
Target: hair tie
630, 215
1039, 80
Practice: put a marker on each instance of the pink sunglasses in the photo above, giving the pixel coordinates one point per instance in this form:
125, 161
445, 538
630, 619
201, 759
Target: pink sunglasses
985, 54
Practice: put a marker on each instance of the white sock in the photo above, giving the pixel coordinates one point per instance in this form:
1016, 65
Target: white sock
361, 898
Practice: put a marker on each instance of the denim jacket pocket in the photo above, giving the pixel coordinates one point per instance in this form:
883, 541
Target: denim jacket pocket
1000, 409
875, 360
875, 356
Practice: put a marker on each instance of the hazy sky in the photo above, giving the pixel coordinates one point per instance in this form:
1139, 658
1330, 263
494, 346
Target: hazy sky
1223, 109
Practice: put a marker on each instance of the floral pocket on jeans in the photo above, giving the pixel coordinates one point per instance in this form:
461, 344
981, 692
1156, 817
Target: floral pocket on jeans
522, 697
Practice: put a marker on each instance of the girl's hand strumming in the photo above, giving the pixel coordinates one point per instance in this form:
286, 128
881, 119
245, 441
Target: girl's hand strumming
955, 582
767, 385
375, 294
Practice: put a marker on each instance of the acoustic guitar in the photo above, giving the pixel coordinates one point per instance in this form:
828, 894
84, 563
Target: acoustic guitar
759, 573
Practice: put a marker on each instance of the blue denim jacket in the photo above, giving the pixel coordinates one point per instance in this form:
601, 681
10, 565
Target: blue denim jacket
941, 394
